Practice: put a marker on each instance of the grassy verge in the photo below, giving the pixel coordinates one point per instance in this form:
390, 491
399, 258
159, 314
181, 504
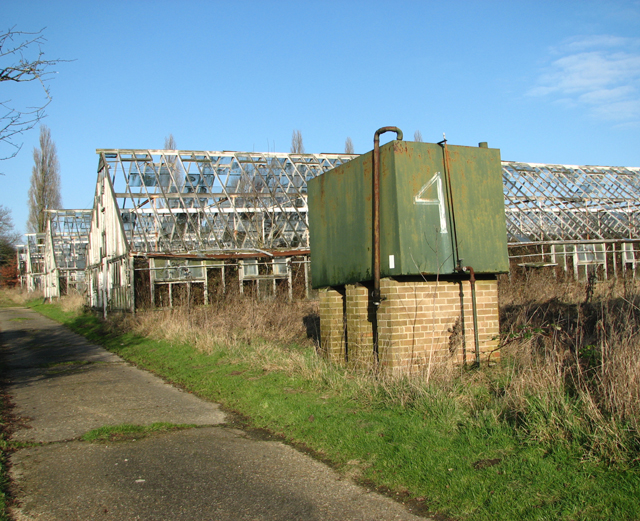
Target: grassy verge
5, 446
8, 298
452, 444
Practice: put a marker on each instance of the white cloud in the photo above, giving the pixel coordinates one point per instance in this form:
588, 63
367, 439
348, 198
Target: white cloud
581, 43
603, 96
601, 73
623, 110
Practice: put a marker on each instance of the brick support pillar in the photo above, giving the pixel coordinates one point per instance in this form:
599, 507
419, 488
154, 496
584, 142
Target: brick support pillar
488, 317
332, 329
359, 325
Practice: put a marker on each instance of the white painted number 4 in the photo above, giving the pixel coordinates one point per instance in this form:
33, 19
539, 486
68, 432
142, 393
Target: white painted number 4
425, 196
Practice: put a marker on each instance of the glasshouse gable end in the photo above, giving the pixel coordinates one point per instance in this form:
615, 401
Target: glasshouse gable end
54, 262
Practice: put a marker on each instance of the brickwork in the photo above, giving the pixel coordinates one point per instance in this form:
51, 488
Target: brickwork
332, 325
359, 325
419, 322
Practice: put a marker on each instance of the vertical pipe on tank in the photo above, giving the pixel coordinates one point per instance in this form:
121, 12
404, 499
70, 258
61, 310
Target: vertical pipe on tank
474, 306
376, 228
376, 208
472, 278
449, 195
463, 326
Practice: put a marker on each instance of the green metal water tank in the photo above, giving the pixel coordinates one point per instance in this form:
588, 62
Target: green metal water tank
435, 214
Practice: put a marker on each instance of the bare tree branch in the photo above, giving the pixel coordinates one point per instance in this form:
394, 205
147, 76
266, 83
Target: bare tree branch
26, 63
417, 136
7, 233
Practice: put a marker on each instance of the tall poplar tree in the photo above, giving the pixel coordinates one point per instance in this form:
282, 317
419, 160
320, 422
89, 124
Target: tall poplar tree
348, 146
44, 192
297, 146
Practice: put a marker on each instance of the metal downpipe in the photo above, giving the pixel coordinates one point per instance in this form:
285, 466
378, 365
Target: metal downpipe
463, 326
449, 194
376, 208
376, 228
474, 307
458, 260
476, 336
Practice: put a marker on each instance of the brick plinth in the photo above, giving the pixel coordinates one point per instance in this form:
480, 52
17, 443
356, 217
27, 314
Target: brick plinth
419, 322
359, 325
332, 324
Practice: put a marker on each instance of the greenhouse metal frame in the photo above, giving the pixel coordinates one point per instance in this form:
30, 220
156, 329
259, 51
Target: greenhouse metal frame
172, 226
176, 224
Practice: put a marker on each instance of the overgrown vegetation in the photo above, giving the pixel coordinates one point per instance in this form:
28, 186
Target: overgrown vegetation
572, 353
10, 297
5, 445
549, 432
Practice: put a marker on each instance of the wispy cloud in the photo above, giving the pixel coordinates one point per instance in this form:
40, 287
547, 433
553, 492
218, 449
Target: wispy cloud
601, 73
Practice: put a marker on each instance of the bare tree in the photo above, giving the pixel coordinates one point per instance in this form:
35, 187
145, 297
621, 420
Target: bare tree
8, 237
348, 146
26, 63
6, 225
297, 147
177, 181
44, 192
417, 136
170, 143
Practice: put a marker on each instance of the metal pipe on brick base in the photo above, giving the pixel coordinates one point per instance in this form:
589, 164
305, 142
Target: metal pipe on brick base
376, 228
474, 307
463, 325
376, 208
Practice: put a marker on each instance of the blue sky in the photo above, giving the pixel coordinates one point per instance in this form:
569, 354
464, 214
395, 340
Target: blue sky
544, 81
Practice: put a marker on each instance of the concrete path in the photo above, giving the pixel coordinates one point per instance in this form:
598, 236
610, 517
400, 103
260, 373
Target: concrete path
62, 387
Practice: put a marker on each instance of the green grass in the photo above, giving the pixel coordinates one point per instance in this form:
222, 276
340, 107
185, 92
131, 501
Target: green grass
5, 447
436, 449
54, 368
126, 431
4, 450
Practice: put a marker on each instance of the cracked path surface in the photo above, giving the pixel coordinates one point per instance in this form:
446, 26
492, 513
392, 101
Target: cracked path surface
62, 387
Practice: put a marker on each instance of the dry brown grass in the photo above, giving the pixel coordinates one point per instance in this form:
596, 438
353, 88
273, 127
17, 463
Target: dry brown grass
270, 334
72, 302
573, 353
17, 297
231, 322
